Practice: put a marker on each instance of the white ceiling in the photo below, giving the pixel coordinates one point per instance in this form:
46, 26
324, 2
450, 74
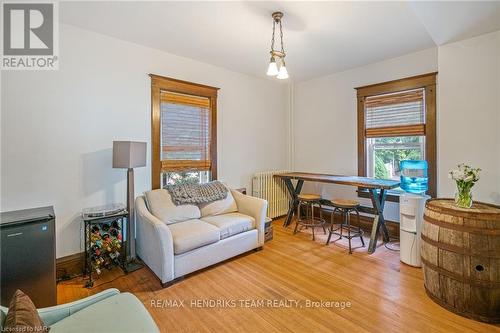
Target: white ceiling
320, 37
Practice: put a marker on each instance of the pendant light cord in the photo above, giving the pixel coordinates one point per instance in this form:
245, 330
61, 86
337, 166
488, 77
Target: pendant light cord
272, 38
281, 38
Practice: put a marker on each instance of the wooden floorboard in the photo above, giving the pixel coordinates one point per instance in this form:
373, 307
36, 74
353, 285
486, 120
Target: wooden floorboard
386, 295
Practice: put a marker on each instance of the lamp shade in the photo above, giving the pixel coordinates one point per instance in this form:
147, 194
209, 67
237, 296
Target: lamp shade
272, 70
283, 73
129, 154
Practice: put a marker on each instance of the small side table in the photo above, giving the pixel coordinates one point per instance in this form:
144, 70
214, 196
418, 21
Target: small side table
268, 229
101, 242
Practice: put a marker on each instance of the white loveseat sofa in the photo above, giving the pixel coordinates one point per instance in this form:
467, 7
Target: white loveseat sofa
177, 240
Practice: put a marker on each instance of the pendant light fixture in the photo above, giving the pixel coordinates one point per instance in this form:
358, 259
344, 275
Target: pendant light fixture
277, 65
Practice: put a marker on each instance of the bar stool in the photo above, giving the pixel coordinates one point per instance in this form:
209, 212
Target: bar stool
309, 201
344, 207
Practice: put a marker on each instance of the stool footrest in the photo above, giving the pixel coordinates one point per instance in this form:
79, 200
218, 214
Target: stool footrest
311, 222
355, 231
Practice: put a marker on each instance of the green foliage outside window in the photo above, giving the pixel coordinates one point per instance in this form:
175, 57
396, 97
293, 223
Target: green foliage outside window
184, 177
392, 155
380, 169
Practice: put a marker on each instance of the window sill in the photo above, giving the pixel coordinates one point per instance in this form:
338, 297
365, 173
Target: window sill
392, 195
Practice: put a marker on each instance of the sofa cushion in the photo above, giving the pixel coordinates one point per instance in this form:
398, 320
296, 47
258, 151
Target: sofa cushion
224, 206
192, 234
231, 224
120, 313
160, 205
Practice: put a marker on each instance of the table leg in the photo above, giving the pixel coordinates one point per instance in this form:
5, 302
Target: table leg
294, 192
123, 251
88, 259
85, 263
378, 202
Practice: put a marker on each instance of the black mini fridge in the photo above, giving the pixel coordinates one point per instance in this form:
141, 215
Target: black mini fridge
28, 255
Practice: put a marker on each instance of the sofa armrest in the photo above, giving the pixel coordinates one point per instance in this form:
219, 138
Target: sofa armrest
254, 207
154, 242
53, 314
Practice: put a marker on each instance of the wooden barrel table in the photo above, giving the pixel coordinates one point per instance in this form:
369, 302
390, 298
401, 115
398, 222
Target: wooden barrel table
461, 258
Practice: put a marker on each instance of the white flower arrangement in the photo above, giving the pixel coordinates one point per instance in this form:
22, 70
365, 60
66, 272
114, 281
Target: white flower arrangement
465, 177
465, 174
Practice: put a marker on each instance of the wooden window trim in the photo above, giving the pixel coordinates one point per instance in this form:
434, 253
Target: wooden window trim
409, 83
159, 83
426, 81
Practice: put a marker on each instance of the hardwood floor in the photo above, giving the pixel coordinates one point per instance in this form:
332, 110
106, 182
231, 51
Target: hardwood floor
385, 295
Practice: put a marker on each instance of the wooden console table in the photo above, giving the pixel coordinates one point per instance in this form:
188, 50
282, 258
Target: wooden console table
376, 187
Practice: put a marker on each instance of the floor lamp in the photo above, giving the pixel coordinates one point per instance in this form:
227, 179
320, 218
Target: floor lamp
129, 155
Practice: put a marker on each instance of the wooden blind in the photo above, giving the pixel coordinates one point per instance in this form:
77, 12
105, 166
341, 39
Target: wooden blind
395, 114
185, 132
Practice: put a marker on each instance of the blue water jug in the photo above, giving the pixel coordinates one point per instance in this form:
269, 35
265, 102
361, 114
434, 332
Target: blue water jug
414, 177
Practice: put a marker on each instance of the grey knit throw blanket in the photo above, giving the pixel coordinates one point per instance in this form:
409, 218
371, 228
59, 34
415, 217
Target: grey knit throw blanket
194, 194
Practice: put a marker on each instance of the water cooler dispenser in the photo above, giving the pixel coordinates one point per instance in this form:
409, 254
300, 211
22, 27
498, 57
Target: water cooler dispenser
414, 181
411, 213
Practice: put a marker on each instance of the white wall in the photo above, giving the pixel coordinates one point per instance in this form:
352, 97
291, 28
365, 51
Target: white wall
325, 119
58, 126
469, 113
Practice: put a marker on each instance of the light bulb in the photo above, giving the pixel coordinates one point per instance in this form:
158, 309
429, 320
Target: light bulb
283, 73
272, 70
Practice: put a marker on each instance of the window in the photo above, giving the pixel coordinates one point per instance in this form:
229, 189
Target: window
384, 154
396, 121
184, 137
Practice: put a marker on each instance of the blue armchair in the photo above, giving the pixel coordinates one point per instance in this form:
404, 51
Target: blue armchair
107, 311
